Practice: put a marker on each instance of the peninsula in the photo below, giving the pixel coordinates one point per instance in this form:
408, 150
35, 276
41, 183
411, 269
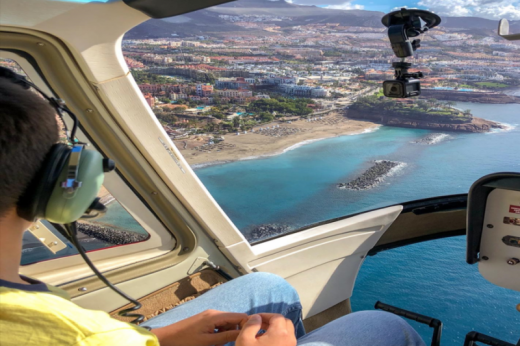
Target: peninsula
420, 114
468, 96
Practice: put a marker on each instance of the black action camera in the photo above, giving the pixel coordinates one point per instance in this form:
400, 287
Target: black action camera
403, 25
405, 84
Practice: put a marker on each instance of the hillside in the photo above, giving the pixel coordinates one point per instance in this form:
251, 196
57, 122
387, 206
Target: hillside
208, 21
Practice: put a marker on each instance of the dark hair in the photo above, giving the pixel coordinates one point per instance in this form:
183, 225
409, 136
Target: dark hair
28, 129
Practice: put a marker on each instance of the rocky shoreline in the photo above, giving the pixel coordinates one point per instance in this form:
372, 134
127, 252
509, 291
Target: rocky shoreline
110, 235
477, 125
372, 176
266, 231
465, 96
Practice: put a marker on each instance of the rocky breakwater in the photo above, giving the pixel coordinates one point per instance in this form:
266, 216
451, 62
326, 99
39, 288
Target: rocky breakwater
266, 231
388, 118
373, 176
110, 235
468, 96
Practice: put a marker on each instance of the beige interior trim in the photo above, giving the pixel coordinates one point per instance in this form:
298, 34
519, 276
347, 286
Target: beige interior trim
98, 297
317, 321
328, 255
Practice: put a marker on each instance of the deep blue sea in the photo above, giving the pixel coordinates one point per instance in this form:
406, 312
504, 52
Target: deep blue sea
298, 188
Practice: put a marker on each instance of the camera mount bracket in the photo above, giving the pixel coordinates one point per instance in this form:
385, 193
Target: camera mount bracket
401, 71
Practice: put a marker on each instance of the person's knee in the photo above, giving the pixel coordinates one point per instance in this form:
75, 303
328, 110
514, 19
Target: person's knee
267, 280
271, 283
375, 328
386, 324
374, 317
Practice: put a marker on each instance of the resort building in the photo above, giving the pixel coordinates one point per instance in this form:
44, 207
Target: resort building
233, 83
204, 90
304, 90
235, 94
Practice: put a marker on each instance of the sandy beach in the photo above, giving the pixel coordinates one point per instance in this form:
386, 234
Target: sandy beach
270, 139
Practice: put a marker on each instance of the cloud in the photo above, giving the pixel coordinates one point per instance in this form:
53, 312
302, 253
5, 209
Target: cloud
346, 6
491, 9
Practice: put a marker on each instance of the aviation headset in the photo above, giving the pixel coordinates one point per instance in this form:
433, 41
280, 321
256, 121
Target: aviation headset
70, 177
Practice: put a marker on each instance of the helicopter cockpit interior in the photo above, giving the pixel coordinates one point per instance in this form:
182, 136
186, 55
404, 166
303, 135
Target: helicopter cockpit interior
171, 222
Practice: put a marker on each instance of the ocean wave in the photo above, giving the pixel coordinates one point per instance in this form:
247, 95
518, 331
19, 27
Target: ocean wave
433, 138
301, 144
507, 128
208, 164
369, 130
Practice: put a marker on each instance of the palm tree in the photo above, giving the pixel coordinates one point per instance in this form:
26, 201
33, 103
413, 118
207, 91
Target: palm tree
450, 104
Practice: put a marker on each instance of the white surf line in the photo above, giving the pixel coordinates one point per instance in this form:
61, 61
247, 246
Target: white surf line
292, 147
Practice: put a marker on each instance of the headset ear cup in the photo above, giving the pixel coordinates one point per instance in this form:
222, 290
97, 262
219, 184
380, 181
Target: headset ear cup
32, 204
62, 208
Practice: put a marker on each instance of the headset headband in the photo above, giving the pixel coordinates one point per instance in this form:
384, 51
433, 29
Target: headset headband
71, 184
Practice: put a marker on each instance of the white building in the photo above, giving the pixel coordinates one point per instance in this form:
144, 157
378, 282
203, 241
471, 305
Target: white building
319, 92
304, 90
178, 96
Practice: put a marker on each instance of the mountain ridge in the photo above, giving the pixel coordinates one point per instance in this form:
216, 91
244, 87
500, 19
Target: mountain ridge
207, 21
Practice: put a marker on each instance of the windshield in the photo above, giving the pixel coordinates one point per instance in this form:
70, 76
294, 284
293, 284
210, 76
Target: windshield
279, 108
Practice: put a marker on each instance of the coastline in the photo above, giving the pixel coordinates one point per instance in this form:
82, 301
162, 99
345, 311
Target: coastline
257, 144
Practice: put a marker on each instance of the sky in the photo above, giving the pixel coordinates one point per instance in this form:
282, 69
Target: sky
491, 9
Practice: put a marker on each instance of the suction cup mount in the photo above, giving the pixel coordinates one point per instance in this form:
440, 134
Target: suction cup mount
407, 16
405, 24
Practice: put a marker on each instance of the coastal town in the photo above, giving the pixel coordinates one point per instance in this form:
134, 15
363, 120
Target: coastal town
273, 82
266, 82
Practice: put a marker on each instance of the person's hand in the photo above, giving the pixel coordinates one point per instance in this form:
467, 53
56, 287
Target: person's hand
279, 331
208, 328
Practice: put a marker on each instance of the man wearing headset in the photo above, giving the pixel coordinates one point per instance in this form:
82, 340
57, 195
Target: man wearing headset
33, 313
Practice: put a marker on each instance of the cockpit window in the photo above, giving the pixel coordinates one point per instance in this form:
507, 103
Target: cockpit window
116, 227
279, 108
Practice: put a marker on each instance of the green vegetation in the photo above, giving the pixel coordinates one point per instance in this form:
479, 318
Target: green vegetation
430, 110
492, 85
167, 118
142, 77
282, 105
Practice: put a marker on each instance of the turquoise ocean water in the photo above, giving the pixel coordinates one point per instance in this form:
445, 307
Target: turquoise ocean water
298, 188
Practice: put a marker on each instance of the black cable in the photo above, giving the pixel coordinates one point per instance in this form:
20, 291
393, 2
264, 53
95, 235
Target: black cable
72, 235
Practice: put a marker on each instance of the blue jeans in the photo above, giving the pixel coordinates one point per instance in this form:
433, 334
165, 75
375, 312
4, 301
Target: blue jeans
264, 292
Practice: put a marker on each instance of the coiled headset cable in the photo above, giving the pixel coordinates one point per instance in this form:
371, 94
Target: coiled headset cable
71, 233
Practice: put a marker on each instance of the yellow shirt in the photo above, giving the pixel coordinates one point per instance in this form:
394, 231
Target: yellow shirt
40, 315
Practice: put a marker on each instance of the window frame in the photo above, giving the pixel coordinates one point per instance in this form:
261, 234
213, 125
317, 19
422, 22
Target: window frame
159, 242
